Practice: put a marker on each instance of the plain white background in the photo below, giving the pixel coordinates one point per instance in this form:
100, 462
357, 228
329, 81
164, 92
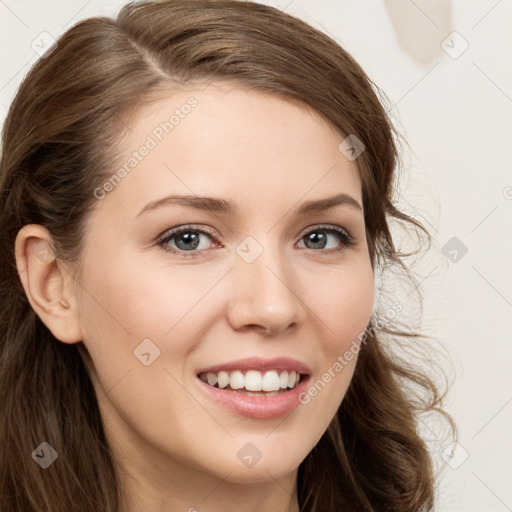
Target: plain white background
452, 99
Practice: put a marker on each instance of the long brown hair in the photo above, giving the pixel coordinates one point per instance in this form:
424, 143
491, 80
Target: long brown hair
59, 144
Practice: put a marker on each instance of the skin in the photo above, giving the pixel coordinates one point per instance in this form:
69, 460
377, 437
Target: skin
176, 448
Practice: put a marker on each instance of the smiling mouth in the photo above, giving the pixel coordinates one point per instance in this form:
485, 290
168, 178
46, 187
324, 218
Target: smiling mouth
253, 382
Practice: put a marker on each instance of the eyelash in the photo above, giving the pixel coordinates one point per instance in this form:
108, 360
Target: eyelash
343, 236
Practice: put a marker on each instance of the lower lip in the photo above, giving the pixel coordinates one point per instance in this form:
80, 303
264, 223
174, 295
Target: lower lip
258, 407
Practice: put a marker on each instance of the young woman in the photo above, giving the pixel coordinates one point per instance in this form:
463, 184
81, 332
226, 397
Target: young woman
196, 204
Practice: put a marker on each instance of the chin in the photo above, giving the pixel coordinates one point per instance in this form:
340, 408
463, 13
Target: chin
260, 460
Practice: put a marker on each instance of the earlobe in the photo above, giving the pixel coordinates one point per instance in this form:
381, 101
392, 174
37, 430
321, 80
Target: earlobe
45, 283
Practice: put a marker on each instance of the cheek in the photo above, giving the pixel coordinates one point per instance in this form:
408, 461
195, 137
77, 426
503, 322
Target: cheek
132, 300
344, 310
345, 305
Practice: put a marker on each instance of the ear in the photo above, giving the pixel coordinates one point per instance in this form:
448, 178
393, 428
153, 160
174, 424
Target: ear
46, 281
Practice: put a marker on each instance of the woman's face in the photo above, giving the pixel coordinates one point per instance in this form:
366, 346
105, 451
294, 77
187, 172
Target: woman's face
268, 275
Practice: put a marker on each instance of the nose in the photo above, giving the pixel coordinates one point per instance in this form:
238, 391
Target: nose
265, 295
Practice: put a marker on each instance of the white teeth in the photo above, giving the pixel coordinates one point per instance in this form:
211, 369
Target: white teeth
271, 381
253, 380
236, 380
222, 379
292, 379
283, 380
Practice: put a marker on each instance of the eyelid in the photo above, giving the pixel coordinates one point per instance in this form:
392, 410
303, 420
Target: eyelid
186, 227
326, 227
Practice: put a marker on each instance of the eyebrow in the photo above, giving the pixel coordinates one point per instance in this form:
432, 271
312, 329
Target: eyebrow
228, 207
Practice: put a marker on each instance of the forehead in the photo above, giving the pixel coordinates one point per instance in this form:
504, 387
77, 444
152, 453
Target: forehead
223, 140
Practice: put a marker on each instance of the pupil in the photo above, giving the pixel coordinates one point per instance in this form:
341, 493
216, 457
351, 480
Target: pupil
318, 240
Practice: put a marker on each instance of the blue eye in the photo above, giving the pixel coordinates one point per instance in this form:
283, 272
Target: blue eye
319, 238
185, 239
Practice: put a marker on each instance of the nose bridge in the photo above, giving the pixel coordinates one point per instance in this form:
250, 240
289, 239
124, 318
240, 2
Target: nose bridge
263, 281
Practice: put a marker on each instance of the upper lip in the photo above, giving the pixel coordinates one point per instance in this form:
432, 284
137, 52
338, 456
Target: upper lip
258, 363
